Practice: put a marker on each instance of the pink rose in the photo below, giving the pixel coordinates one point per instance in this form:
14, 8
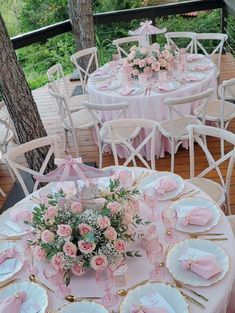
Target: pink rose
47, 236
85, 247
156, 66
110, 233
147, 70
58, 260
120, 246
163, 63
136, 61
78, 269
142, 63
39, 253
76, 207
51, 213
98, 261
64, 230
127, 218
103, 222
151, 60
114, 207
135, 73
165, 54
70, 249
84, 228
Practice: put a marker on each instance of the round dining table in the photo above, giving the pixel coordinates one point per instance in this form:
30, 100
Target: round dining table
139, 268
149, 104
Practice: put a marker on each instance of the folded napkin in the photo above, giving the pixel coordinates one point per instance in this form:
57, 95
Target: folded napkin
13, 303
165, 184
196, 216
127, 91
193, 57
7, 254
200, 262
143, 309
163, 87
191, 78
202, 67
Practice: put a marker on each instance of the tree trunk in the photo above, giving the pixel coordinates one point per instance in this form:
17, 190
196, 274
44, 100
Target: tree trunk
19, 101
81, 15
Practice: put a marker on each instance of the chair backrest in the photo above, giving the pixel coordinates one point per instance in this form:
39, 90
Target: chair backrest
227, 87
198, 133
215, 37
148, 125
6, 128
55, 75
11, 156
175, 109
125, 41
179, 36
90, 55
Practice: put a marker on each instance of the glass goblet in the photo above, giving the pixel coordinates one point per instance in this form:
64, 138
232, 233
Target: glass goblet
169, 217
104, 280
154, 250
56, 278
151, 199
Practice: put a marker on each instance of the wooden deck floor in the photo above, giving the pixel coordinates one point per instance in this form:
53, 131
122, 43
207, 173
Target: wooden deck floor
89, 151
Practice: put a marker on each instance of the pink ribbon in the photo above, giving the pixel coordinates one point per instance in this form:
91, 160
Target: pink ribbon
13, 303
165, 184
7, 254
143, 309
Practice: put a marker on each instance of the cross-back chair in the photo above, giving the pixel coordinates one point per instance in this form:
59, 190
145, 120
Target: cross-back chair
11, 158
172, 37
175, 128
90, 55
125, 41
218, 192
134, 126
72, 121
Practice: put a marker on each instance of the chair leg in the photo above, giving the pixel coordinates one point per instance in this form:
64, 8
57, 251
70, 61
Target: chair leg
172, 155
2, 192
100, 157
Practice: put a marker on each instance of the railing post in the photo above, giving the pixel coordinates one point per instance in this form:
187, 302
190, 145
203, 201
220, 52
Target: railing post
224, 23
153, 18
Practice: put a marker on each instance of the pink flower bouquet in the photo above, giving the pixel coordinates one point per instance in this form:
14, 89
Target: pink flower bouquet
72, 236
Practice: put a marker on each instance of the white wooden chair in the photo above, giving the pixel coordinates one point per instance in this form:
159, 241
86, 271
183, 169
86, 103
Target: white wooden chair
175, 128
84, 73
229, 91
173, 37
6, 131
218, 192
118, 130
219, 39
231, 219
72, 121
102, 132
125, 41
59, 84
19, 151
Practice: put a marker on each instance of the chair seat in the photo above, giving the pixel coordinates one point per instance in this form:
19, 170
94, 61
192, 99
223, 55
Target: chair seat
213, 107
76, 102
81, 119
211, 188
229, 92
130, 132
179, 127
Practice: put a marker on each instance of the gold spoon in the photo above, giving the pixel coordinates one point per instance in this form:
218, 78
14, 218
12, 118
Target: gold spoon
72, 298
181, 285
34, 279
124, 292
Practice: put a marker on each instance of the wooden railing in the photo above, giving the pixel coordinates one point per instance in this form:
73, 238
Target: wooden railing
42, 34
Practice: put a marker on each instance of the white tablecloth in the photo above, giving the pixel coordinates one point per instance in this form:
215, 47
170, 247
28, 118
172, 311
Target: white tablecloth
152, 106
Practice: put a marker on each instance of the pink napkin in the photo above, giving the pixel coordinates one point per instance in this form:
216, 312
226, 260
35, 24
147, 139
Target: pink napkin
104, 86
202, 67
12, 304
163, 87
190, 78
206, 266
7, 254
165, 184
143, 309
196, 216
127, 91
194, 57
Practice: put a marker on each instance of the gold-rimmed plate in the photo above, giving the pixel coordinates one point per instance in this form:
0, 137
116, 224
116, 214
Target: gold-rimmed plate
84, 306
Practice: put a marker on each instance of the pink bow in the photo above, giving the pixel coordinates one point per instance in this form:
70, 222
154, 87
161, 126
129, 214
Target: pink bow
196, 216
165, 184
12, 304
206, 266
143, 309
146, 23
7, 254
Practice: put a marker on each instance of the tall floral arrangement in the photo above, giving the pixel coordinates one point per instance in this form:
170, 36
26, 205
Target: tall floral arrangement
72, 236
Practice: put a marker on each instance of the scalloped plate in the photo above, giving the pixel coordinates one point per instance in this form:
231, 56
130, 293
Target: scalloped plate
84, 306
34, 293
187, 276
197, 202
170, 294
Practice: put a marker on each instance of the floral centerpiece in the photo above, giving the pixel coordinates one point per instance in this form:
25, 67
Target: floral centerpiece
145, 60
72, 236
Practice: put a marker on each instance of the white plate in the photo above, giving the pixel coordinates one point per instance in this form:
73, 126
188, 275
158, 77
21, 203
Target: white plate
187, 276
5, 245
6, 231
34, 293
191, 77
194, 57
150, 180
136, 91
197, 202
171, 295
194, 67
101, 75
113, 85
84, 307
170, 85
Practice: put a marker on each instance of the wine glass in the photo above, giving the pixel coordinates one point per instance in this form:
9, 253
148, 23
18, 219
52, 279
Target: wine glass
151, 199
169, 217
56, 278
104, 280
154, 250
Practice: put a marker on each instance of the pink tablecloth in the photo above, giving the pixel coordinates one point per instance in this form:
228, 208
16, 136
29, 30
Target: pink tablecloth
151, 107
139, 268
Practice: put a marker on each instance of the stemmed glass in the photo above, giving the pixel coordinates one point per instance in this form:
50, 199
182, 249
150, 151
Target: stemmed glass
56, 278
104, 279
169, 217
151, 199
154, 250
